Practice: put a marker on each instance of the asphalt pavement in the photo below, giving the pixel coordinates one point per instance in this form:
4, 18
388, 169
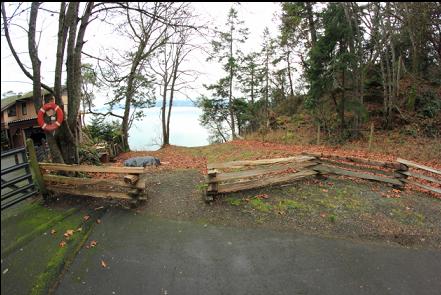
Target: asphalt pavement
139, 254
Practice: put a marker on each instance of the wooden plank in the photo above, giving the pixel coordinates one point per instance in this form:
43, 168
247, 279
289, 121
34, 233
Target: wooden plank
131, 179
241, 164
429, 188
419, 166
413, 174
335, 170
356, 166
252, 184
259, 171
93, 169
84, 181
390, 165
89, 192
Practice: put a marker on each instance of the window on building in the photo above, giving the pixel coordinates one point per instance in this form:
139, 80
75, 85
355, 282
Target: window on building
23, 109
12, 111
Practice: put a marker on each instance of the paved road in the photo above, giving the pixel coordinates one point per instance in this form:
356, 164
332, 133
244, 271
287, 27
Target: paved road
146, 255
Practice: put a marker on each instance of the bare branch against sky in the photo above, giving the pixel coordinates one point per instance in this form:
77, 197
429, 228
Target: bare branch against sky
100, 39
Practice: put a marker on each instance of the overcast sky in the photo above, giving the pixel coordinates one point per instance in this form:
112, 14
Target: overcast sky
257, 16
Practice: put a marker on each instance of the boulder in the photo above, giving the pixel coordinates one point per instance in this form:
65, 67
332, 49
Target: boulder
142, 162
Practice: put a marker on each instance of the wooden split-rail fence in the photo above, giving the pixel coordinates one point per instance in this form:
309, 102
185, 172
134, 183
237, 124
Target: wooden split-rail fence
126, 183
236, 176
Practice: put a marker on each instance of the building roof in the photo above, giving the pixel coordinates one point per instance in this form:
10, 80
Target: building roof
11, 100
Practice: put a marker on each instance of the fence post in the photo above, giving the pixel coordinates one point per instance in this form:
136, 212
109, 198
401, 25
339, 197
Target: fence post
318, 134
35, 168
400, 176
371, 135
212, 188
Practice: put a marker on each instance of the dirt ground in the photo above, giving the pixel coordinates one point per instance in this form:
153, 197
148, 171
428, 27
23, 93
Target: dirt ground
334, 206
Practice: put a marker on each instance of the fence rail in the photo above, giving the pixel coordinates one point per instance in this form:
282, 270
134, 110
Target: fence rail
224, 177
129, 187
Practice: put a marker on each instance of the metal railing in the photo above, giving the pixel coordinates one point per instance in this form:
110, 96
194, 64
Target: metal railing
16, 178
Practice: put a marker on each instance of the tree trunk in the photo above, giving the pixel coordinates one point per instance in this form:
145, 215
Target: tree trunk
311, 23
172, 94
129, 94
36, 65
291, 89
343, 102
267, 88
165, 137
230, 98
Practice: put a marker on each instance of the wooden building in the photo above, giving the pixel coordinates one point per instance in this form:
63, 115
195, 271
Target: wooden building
19, 119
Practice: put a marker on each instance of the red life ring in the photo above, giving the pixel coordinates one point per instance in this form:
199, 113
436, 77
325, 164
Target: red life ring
50, 126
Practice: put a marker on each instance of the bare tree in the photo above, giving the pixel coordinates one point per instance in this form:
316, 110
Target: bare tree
172, 77
130, 76
70, 41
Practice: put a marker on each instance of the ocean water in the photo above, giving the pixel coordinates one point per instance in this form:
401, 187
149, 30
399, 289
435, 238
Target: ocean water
185, 129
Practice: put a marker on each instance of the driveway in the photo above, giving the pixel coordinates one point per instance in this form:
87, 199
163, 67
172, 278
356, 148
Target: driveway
140, 254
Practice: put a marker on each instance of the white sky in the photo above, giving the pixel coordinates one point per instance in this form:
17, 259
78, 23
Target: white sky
256, 15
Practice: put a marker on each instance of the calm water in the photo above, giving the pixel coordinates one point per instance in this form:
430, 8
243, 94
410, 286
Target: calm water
185, 129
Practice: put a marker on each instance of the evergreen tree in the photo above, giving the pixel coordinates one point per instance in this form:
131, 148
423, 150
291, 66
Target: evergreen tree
226, 51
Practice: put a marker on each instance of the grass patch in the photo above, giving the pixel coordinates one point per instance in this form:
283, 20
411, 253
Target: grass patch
260, 205
287, 204
233, 201
202, 187
332, 218
407, 217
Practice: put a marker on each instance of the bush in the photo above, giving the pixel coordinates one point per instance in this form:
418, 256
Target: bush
89, 155
101, 131
428, 104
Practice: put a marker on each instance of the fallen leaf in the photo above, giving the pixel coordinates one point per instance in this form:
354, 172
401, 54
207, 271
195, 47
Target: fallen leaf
79, 229
324, 190
62, 244
98, 221
86, 217
69, 233
262, 196
323, 215
93, 244
103, 264
53, 232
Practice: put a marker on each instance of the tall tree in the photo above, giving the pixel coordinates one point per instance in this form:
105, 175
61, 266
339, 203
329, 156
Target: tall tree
173, 78
226, 50
267, 58
70, 40
332, 65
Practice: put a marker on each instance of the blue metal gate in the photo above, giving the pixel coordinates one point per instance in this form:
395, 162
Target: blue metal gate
16, 178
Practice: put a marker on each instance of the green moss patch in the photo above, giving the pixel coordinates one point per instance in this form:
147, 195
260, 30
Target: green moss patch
64, 256
32, 221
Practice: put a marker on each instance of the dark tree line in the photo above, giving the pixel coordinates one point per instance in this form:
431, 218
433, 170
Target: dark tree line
351, 62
